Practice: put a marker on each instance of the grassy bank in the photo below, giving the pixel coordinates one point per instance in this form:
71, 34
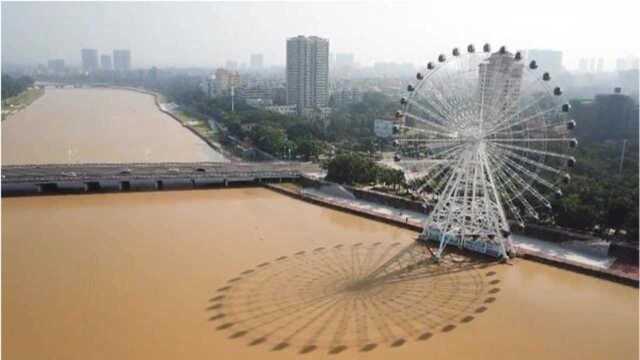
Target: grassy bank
198, 124
20, 101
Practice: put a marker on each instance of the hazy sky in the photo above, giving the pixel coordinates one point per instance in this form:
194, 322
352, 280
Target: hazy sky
208, 34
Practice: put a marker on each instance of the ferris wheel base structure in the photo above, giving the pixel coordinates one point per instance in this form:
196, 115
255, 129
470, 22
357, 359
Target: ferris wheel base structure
478, 246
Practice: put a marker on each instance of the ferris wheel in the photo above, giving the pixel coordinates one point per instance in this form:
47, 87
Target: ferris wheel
485, 137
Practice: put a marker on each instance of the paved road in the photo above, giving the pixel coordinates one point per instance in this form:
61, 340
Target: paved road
89, 172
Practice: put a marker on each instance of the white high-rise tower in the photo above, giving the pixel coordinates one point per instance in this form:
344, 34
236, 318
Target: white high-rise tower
307, 72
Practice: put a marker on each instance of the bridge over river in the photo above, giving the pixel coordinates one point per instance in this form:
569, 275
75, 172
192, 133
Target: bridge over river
80, 178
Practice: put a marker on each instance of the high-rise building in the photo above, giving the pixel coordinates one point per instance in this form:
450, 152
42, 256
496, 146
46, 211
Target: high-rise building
56, 65
307, 73
256, 61
548, 60
499, 86
607, 116
105, 62
121, 60
89, 60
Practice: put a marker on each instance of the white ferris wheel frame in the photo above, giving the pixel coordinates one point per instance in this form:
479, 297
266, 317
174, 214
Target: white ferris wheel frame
486, 159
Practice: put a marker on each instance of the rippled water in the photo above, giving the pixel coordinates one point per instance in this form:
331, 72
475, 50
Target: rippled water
247, 273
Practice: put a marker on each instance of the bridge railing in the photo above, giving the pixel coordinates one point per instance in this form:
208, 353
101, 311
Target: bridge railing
82, 178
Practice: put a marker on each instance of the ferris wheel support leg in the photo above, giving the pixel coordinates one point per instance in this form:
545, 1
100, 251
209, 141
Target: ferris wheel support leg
443, 244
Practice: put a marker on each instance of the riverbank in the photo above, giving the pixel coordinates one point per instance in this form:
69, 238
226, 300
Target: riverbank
16, 103
413, 220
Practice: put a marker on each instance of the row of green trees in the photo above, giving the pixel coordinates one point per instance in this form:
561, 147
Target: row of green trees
353, 168
598, 193
12, 86
350, 127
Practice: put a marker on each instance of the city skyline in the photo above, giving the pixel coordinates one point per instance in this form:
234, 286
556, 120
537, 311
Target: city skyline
160, 35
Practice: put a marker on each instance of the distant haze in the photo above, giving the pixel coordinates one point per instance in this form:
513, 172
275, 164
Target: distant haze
209, 34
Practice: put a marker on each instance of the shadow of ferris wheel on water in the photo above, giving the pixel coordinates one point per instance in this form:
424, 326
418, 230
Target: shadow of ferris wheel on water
324, 299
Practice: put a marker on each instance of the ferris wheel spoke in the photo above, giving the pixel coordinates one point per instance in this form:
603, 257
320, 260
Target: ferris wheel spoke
432, 141
503, 115
535, 116
436, 101
450, 152
524, 188
533, 151
494, 96
508, 115
508, 190
528, 130
436, 116
520, 198
439, 188
530, 162
459, 85
427, 122
451, 100
532, 190
490, 96
425, 131
528, 174
431, 179
442, 164
529, 140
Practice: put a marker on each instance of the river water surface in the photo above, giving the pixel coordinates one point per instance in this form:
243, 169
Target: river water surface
131, 276
246, 273
98, 126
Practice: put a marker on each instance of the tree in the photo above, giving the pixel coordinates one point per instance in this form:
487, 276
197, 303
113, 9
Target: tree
308, 148
14, 86
351, 168
269, 139
572, 212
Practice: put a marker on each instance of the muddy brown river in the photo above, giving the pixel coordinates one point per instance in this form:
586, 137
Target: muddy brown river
98, 126
141, 275
247, 273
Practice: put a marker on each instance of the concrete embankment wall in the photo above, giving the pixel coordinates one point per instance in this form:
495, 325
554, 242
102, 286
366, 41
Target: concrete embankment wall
605, 274
131, 185
624, 252
540, 257
334, 205
371, 196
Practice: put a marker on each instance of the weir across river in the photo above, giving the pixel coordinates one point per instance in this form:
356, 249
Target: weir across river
82, 178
